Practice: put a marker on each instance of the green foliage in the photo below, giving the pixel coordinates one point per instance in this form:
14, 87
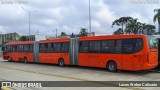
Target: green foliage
122, 22
24, 38
83, 32
134, 27
63, 34
150, 29
157, 18
118, 32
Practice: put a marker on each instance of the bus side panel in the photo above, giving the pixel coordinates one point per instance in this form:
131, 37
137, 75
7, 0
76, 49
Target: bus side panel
103, 59
44, 57
64, 56
83, 59
19, 56
30, 56
73, 51
53, 58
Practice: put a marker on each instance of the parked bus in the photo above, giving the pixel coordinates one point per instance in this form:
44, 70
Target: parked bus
113, 52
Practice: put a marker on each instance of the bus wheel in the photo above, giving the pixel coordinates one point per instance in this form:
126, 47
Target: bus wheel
111, 66
25, 60
9, 59
61, 62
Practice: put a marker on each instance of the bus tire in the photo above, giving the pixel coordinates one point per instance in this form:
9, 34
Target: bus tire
111, 66
9, 59
61, 62
25, 60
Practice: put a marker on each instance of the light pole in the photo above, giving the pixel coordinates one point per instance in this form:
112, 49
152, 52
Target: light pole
29, 14
56, 32
90, 16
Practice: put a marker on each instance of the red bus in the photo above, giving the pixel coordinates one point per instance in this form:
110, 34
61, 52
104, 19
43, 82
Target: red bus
113, 52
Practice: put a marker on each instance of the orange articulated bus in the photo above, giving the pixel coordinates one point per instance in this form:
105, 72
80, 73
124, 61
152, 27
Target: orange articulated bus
113, 52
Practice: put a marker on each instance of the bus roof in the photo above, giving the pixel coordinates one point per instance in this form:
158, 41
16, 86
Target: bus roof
55, 40
110, 37
80, 38
20, 42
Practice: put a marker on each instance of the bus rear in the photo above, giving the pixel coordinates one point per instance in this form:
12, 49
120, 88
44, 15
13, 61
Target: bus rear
152, 52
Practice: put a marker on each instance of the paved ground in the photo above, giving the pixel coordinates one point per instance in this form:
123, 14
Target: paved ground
15, 71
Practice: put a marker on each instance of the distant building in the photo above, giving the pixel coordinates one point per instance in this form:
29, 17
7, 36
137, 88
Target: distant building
4, 38
32, 38
91, 34
9, 37
52, 37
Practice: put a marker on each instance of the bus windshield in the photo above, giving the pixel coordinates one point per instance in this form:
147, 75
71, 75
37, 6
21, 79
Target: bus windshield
153, 42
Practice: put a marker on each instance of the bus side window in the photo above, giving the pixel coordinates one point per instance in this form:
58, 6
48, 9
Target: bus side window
45, 47
139, 45
118, 46
83, 47
14, 48
18, 48
49, 47
65, 47
40, 47
111, 46
94, 46
129, 46
22, 48
30, 47
104, 47
57, 47
52, 47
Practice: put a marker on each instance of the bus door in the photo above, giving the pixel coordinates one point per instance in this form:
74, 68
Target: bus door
94, 54
43, 54
132, 57
138, 55
83, 55
128, 50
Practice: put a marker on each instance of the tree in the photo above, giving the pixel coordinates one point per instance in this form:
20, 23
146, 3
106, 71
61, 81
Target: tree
141, 31
24, 38
83, 32
122, 22
150, 29
63, 34
157, 18
118, 32
134, 27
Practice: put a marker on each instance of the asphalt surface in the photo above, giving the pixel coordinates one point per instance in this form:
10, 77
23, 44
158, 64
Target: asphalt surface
17, 71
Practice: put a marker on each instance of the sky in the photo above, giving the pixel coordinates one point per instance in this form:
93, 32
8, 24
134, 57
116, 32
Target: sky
70, 16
